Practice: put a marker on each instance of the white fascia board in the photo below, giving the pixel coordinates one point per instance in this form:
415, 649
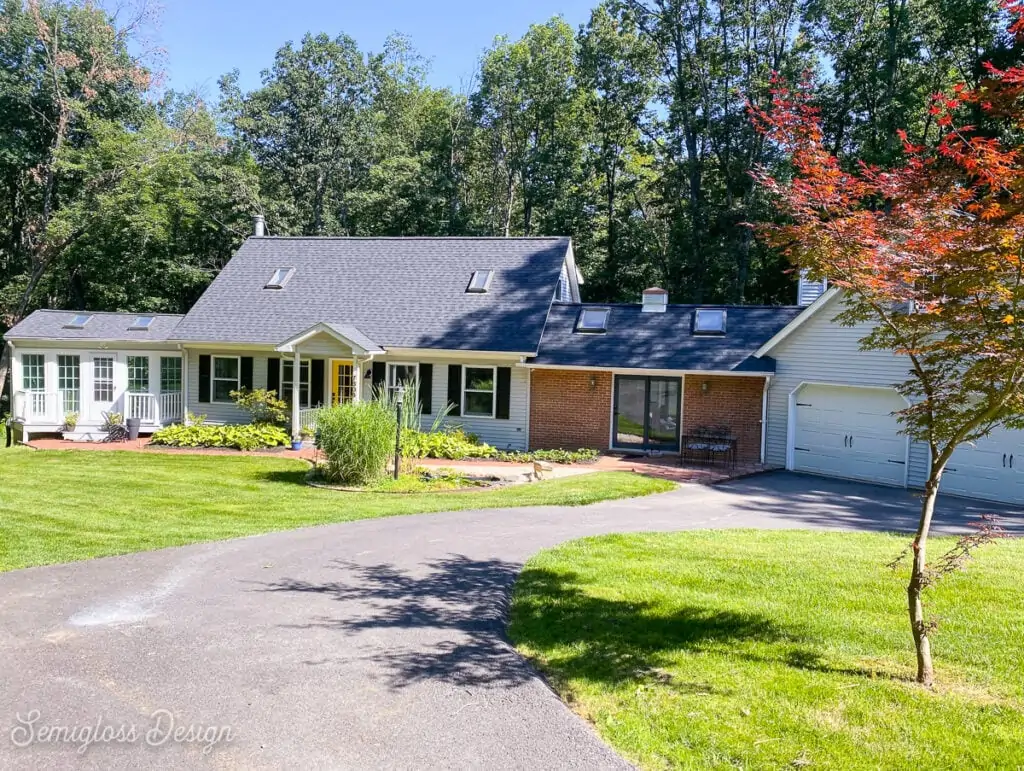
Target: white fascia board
653, 372
455, 353
809, 312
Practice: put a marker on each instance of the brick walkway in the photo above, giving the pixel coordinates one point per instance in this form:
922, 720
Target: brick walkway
663, 467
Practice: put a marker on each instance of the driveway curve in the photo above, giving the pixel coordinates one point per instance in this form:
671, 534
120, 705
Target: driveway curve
370, 644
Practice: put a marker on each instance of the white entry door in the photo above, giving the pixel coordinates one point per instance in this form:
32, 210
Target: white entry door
101, 398
849, 432
991, 469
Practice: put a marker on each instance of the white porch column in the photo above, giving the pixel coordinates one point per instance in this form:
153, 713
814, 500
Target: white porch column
357, 378
184, 386
296, 382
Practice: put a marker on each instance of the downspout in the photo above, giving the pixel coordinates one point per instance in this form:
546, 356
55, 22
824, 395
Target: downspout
764, 418
184, 384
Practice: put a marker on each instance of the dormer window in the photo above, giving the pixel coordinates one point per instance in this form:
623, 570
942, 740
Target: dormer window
280, 278
479, 282
141, 323
78, 321
592, 320
709, 321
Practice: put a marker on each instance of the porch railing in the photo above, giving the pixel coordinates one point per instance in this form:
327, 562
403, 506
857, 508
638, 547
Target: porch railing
172, 407
141, 406
45, 406
308, 418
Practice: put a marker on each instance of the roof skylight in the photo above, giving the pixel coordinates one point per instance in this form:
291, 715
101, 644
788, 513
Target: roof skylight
480, 281
78, 321
280, 278
142, 322
592, 320
709, 321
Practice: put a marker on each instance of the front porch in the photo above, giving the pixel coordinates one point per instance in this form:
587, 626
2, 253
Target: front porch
47, 412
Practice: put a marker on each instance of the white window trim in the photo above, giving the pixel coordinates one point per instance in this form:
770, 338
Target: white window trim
214, 379
128, 372
493, 392
389, 375
25, 369
287, 386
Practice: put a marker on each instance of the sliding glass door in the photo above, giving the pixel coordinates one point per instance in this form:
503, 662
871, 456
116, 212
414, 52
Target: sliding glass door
646, 413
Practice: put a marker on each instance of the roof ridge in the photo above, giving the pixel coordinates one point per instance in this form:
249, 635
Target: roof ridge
111, 313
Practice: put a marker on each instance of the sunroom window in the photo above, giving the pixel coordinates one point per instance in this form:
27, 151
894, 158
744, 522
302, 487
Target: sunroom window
33, 370
478, 391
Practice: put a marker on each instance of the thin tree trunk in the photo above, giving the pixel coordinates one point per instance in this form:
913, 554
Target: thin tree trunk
5, 369
918, 624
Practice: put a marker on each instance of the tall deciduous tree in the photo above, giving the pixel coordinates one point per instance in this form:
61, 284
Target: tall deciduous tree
66, 78
931, 253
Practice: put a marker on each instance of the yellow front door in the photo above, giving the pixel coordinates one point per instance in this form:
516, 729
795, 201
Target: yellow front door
342, 386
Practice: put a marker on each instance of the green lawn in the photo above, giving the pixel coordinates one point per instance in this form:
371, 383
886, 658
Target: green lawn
72, 505
777, 649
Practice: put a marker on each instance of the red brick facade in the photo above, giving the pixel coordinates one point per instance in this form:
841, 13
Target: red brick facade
736, 402
570, 409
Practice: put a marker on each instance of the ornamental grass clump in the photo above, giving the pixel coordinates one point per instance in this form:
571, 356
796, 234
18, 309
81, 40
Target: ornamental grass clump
357, 439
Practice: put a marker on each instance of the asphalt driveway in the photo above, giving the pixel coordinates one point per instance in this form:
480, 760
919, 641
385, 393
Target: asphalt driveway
371, 644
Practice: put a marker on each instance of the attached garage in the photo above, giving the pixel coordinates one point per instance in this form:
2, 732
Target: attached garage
848, 432
991, 469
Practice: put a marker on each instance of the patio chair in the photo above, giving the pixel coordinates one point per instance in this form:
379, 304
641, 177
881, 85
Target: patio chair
116, 430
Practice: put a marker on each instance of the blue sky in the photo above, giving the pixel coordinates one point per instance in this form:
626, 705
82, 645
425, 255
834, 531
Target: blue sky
203, 39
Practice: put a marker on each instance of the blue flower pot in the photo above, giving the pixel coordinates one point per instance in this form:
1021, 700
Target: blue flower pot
297, 445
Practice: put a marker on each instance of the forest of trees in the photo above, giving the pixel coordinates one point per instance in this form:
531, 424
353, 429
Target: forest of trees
629, 134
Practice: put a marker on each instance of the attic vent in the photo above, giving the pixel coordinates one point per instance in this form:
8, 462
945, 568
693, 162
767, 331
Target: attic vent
592, 320
78, 321
709, 321
480, 281
280, 278
142, 323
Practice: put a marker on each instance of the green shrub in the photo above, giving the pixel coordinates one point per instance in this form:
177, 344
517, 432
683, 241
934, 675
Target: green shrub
262, 405
456, 444
249, 437
357, 439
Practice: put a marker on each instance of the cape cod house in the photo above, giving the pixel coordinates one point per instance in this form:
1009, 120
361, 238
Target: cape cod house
495, 327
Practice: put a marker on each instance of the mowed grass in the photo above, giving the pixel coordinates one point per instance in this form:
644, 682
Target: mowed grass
73, 505
756, 650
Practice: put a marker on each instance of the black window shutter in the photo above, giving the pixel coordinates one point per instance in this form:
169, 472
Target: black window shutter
455, 387
427, 388
245, 374
380, 373
274, 376
204, 379
316, 383
504, 392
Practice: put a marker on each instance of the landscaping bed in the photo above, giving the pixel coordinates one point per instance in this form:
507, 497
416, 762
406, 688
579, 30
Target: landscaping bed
740, 649
419, 480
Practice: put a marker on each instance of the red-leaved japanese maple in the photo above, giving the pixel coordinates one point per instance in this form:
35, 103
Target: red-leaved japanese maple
930, 253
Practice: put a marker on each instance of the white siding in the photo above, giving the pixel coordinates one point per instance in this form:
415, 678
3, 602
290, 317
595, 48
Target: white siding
823, 351
504, 434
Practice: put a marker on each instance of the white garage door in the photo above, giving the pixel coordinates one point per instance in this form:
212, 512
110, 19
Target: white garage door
851, 433
992, 468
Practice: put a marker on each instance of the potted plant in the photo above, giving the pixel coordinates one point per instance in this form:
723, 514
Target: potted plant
70, 423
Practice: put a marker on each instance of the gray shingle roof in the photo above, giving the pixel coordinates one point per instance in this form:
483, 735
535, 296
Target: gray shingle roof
50, 324
399, 292
637, 340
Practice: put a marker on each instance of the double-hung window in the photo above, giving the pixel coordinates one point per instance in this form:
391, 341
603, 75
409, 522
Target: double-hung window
478, 388
103, 379
288, 381
225, 377
402, 375
138, 374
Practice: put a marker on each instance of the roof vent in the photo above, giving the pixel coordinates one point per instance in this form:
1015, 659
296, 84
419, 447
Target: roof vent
709, 321
655, 300
480, 281
280, 278
141, 323
592, 320
78, 321
809, 291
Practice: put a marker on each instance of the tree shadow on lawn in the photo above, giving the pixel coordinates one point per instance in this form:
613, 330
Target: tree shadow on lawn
290, 477
457, 611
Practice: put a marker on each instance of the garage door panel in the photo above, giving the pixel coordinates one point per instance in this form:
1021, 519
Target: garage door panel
990, 469
851, 433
